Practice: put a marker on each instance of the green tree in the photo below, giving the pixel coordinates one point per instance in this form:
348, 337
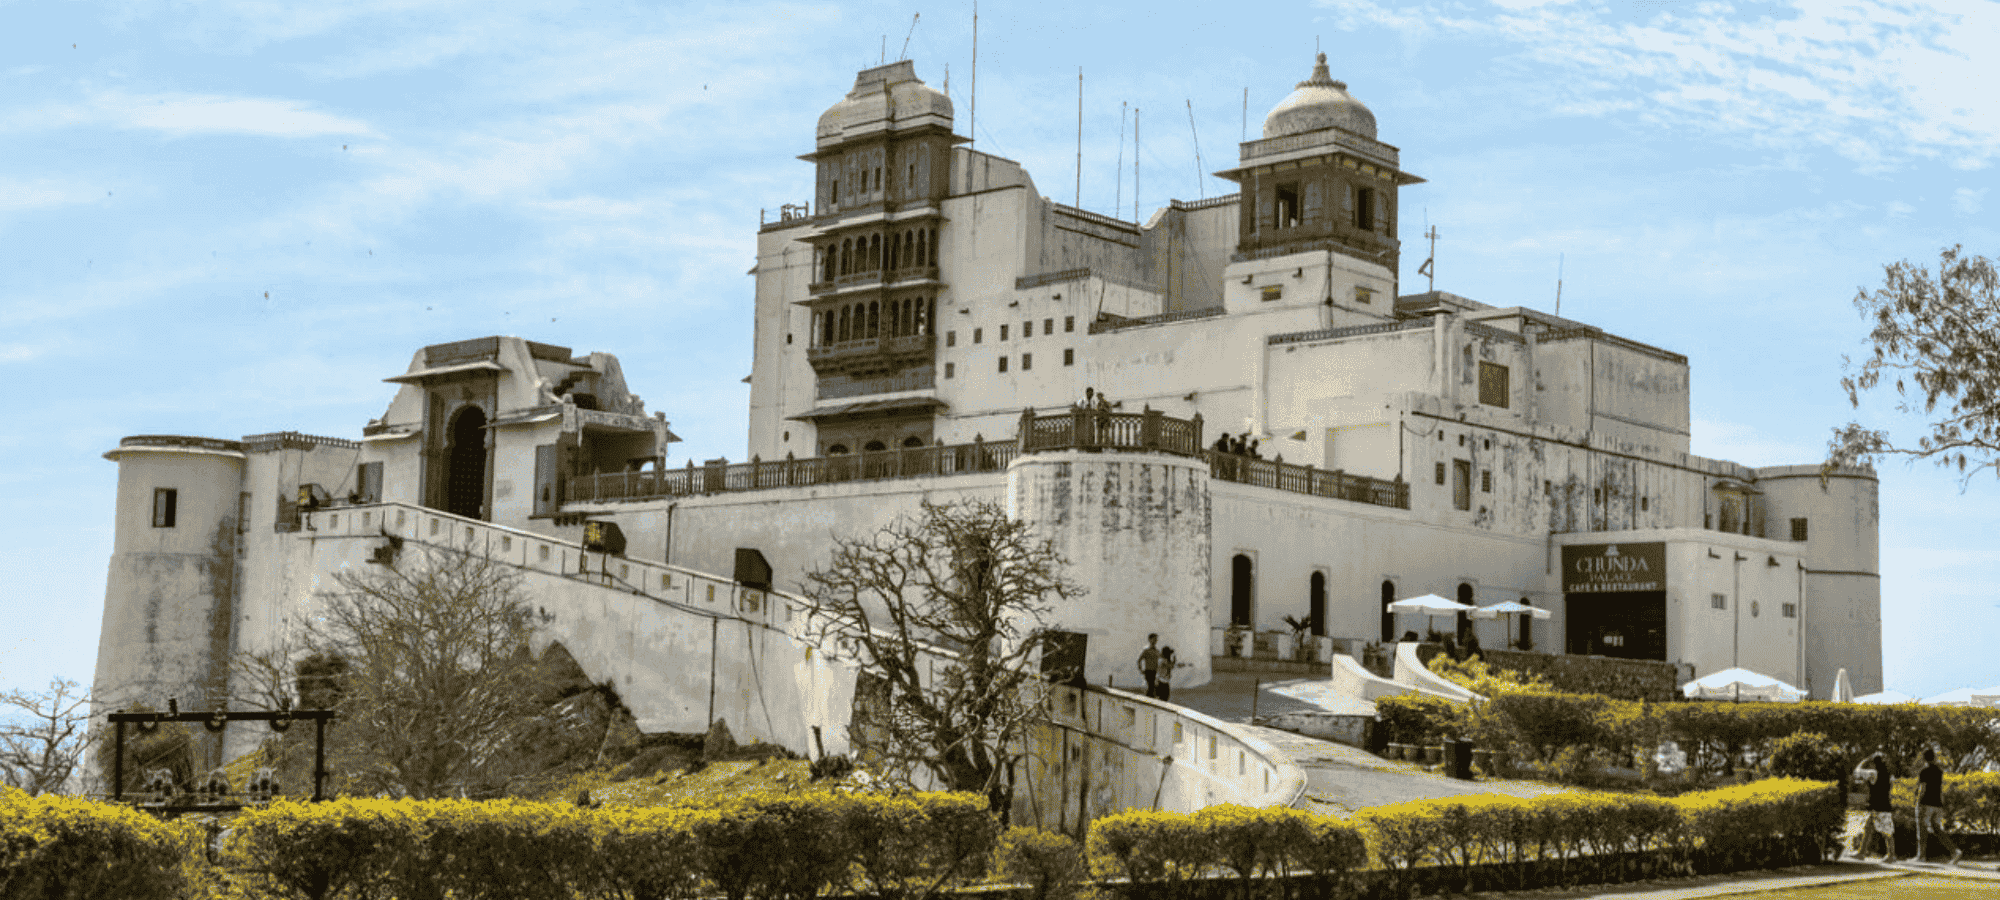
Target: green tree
1936, 340
962, 578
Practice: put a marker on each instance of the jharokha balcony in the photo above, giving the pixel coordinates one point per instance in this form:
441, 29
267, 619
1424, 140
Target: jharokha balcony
1077, 429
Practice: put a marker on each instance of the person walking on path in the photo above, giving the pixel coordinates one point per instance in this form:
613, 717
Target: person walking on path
1874, 772
1165, 679
1930, 807
1149, 664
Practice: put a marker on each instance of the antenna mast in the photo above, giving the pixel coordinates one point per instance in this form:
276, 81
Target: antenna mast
1430, 265
972, 115
1079, 137
1559, 284
1118, 193
1135, 164
906, 38
1201, 187
1244, 135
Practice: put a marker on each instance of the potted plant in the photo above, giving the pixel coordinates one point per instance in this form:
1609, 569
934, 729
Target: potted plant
1305, 648
1233, 639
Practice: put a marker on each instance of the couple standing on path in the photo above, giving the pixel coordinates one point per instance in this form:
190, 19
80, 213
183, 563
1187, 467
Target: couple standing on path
1874, 772
1157, 664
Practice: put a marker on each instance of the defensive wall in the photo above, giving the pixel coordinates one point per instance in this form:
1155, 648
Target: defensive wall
684, 648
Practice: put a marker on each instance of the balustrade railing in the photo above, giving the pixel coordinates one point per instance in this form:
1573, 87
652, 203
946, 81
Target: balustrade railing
1299, 479
757, 475
1095, 429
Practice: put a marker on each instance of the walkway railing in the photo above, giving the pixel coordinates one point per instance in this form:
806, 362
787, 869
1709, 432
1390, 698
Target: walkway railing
1308, 480
1149, 431
756, 475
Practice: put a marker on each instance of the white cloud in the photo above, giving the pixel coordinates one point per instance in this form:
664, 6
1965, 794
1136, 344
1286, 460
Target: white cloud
1747, 445
1874, 82
185, 114
43, 193
1968, 200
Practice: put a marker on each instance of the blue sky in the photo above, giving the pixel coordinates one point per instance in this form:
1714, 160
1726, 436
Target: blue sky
230, 218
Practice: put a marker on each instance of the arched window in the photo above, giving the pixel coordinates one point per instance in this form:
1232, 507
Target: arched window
896, 251
874, 446
1241, 574
826, 327
846, 256
837, 450
920, 247
933, 234
874, 319
1316, 603
845, 334
913, 442
1388, 618
875, 253
465, 480
930, 317
1464, 620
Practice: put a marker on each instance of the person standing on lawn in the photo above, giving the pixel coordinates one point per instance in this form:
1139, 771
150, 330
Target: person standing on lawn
1930, 807
1874, 772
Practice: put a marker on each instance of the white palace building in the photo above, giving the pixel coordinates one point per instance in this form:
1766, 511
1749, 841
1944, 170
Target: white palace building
925, 328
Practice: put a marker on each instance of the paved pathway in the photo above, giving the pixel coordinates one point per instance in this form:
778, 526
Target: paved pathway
1339, 779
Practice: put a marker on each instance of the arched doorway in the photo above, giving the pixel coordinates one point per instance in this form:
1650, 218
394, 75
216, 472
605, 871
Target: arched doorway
1464, 620
1388, 618
1241, 571
465, 476
1316, 603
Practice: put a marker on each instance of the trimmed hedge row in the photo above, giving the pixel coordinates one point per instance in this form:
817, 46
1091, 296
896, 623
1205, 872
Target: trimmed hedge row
61, 848
907, 847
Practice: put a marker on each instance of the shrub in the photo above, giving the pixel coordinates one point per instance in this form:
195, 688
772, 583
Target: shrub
500, 848
66, 848
914, 845
320, 850
1050, 864
1417, 718
1146, 845
780, 848
1808, 755
1765, 824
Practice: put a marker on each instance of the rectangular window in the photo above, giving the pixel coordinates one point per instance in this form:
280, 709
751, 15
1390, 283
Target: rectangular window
1548, 488
164, 501
1493, 385
242, 515
1273, 292
1440, 473
1718, 601
1069, 323
1363, 296
1486, 481
1287, 206
1048, 326
1069, 356
1798, 529
950, 370
1791, 610
1027, 361
1364, 209
1461, 483
951, 338
1003, 332
1003, 364
977, 334
368, 482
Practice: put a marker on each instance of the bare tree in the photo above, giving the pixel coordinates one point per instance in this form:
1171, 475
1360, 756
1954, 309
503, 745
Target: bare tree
43, 737
1936, 339
961, 578
429, 664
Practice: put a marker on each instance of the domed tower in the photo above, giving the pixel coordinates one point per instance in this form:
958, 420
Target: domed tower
884, 159
1318, 179
170, 593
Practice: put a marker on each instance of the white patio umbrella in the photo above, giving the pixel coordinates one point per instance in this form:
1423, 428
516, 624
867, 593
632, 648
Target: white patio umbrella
1843, 687
1741, 684
1510, 608
1430, 605
1885, 698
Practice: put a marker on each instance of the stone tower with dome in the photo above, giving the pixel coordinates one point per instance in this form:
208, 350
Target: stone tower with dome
1319, 179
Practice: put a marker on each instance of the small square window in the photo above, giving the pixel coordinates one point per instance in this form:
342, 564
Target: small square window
1048, 326
950, 369
977, 334
1069, 323
1363, 296
1003, 364
1027, 361
1069, 356
1003, 332
164, 502
951, 338
1272, 292
1718, 601
1791, 610
1486, 481
1798, 529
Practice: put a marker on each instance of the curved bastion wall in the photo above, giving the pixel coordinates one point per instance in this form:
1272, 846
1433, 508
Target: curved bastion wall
1135, 528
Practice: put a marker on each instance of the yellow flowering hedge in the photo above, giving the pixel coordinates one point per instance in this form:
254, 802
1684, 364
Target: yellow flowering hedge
63, 848
1170, 848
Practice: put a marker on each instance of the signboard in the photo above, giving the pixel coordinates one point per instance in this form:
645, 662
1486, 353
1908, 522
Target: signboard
1611, 568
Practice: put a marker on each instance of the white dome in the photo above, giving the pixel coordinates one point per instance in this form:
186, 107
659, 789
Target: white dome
1319, 102
883, 97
